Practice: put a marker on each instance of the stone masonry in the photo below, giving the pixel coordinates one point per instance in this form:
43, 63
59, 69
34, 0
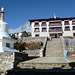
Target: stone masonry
40, 52
9, 60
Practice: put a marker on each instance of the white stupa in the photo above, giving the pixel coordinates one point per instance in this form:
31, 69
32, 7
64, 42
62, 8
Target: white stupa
6, 43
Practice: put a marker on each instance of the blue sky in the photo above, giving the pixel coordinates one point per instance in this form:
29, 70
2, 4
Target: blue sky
18, 12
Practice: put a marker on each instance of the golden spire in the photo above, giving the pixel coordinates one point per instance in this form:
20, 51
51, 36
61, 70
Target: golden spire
2, 13
2, 9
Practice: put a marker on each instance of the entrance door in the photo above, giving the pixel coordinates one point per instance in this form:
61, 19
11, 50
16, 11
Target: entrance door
37, 35
55, 35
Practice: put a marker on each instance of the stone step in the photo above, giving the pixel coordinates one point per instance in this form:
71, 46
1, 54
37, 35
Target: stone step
43, 65
54, 48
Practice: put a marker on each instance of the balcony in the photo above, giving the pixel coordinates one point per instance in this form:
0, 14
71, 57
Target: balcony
67, 29
73, 22
36, 25
55, 24
55, 30
73, 27
44, 30
43, 24
66, 23
36, 30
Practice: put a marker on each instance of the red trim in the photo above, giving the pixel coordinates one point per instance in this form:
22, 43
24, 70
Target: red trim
2, 12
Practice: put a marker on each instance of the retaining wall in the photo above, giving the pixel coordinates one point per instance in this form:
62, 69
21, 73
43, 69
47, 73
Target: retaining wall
9, 60
40, 52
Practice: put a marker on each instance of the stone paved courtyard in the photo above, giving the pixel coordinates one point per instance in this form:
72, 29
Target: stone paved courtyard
48, 63
49, 60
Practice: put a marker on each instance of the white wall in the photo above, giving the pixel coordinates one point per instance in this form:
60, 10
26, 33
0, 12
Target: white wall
4, 44
67, 33
41, 34
16, 35
46, 34
32, 29
1, 48
19, 35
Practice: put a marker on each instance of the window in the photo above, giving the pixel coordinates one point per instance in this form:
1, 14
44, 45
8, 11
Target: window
73, 27
43, 24
52, 29
66, 22
73, 22
36, 30
44, 30
36, 35
36, 24
52, 35
74, 34
67, 28
7, 44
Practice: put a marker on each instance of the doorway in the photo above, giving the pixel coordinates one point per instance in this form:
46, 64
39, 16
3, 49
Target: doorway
55, 35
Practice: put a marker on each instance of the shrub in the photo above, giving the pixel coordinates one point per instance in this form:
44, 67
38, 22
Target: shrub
19, 46
33, 45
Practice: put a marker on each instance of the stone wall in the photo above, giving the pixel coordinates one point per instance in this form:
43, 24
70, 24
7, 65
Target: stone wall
32, 52
18, 57
9, 60
32, 39
40, 52
66, 48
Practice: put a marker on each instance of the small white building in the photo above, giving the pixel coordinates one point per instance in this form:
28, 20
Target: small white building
6, 43
19, 34
53, 27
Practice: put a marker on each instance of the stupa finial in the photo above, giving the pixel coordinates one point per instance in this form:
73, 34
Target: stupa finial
54, 16
2, 13
2, 9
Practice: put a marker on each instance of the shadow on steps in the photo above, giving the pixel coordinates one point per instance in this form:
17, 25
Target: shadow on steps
56, 71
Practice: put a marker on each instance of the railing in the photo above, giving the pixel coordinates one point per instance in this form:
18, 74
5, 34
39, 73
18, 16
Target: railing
73, 28
55, 24
67, 29
66, 24
44, 30
43, 25
73, 23
55, 30
36, 31
36, 25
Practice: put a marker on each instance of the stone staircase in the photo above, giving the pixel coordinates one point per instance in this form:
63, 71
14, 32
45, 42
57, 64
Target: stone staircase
45, 63
54, 48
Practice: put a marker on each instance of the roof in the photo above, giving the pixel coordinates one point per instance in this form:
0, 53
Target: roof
16, 32
50, 19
